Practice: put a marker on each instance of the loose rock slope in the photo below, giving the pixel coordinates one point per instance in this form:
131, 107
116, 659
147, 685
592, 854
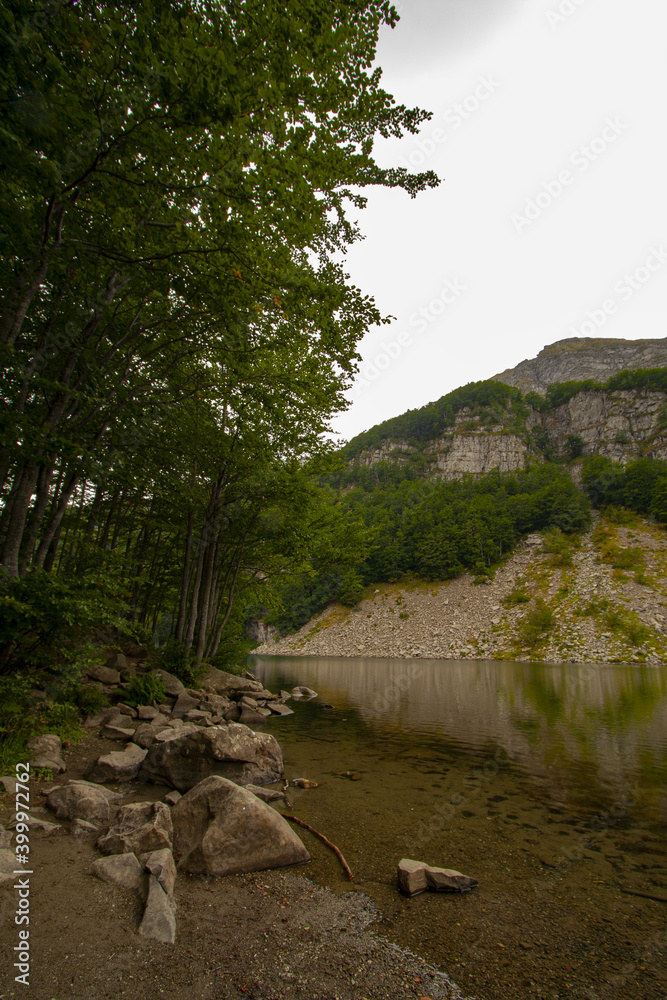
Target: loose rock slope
598, 598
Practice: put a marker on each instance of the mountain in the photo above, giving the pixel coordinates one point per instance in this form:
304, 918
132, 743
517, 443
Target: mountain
580, 358
492, 425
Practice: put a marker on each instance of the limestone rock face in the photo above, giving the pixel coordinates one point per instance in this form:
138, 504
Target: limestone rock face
141, 827
82, 800
579, 358
416, 876
222, 829
231, 751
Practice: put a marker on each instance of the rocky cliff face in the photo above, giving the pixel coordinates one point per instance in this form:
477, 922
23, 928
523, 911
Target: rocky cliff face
582, 358
621, 425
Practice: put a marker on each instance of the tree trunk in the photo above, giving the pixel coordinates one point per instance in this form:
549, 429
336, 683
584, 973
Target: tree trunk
17, 518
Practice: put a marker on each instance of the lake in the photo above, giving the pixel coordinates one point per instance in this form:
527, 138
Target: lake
547, 783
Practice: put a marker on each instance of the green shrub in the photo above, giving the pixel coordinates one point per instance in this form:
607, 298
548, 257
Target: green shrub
91, 699
23, 715
179, 661
144, 690
537, 622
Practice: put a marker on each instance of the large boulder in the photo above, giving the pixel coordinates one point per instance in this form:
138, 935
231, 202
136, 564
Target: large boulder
141, 827
232, 751
222, 829
222, 683
82, 800
119, 765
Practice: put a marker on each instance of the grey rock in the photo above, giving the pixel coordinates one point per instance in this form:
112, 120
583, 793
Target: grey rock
117, 661
280, 709
265, 794
199, 717
103, 716
8, 864
46, 752
82, 828
251, 717
215, 703
82, 800
185, 703
232, 751
222, 829
140, 827
147, 712
144, 735
123, 870
172, 685
416, 876
169, 733
159, 920
223, 683
159, 720
126, 710
172, 797
111, 732
161, 864
232, 714
119, 766
8, 783
105, 675
34, 823
301, 691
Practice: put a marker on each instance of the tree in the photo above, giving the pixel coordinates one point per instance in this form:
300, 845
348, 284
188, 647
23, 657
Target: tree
177, 180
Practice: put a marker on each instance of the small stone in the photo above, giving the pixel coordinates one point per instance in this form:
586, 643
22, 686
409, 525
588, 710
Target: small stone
415, 877
110, 732
172, 797
159, 720
82, 828
117, 661
126, 710
265, 794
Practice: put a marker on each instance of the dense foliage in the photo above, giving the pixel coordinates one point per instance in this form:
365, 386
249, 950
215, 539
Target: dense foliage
176, 328
435, 530
641, 485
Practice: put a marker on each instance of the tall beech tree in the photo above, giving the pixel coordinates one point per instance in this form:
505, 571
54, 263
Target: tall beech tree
176, 186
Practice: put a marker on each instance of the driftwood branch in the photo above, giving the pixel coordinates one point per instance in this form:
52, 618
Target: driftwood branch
324, 840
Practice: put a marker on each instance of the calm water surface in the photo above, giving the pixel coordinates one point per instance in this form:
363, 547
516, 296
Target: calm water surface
547, 783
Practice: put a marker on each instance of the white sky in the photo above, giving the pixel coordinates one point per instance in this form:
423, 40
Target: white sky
494, 287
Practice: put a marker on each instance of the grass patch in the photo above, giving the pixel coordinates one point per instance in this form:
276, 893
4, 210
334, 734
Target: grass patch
537, 623
559, 547
519, 595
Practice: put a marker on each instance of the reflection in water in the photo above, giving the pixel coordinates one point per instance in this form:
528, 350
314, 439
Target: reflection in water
598, 731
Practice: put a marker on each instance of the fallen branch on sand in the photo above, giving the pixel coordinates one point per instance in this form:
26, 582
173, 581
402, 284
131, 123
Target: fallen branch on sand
324, 840
644, 895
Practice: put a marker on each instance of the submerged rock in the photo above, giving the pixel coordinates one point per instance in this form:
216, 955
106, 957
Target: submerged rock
416, 876
222, 829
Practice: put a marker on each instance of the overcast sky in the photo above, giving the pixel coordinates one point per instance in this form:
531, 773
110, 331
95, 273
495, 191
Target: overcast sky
551, 218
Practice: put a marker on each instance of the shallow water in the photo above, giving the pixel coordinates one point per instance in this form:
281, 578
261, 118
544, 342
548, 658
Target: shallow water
547, 783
